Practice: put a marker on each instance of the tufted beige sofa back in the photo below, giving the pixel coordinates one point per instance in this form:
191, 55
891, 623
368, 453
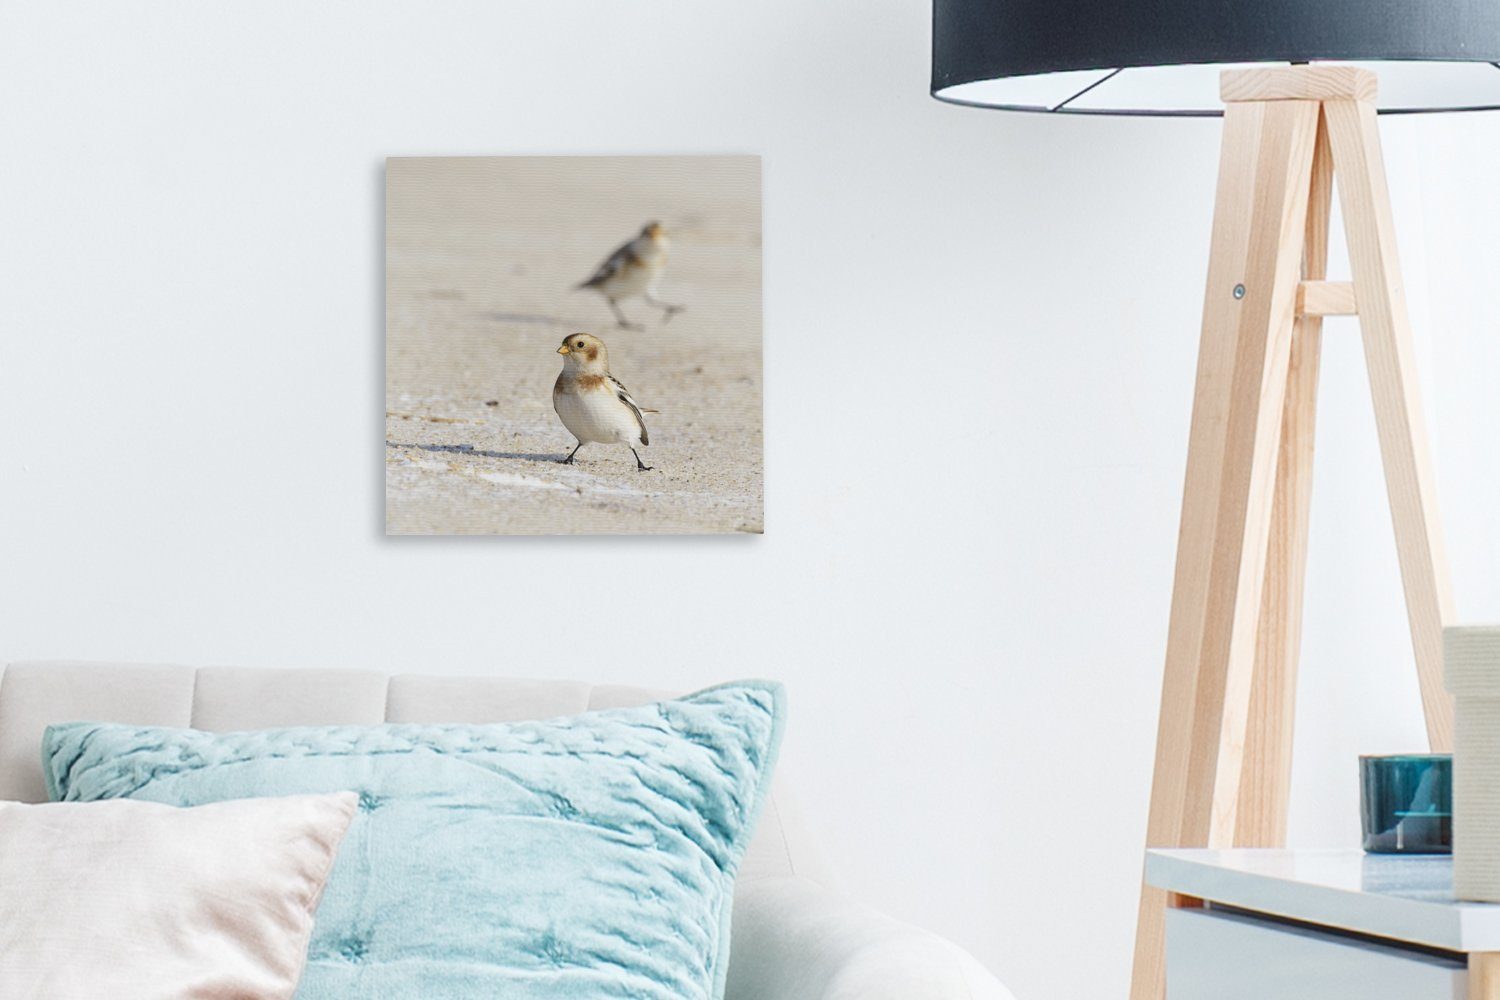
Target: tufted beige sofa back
221, 699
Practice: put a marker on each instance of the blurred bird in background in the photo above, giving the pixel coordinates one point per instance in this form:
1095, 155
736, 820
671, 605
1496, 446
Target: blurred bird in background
634, 269
592, 403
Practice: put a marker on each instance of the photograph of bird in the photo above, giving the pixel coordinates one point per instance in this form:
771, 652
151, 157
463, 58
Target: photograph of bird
485, 263
634, 269
592, 404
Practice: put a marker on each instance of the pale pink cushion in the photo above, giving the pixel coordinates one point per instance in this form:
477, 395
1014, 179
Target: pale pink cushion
136, 899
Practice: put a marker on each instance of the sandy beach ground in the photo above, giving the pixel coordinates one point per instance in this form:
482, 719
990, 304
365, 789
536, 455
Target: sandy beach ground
481, 258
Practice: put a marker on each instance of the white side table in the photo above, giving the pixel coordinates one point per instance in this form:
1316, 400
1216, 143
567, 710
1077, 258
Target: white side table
1322, 925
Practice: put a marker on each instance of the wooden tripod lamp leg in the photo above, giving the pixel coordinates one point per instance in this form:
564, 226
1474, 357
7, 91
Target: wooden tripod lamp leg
1266, 776
1398, 408
1244, 357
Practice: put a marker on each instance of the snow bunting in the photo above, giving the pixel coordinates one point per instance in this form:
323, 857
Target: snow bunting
634, 269
592, 403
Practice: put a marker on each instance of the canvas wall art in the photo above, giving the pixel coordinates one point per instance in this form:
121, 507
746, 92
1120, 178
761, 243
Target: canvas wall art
573, 345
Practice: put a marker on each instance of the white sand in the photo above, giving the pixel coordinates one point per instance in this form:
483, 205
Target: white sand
481, 257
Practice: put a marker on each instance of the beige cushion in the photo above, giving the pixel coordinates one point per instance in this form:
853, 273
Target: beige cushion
416, 698
34, 695
228, 699
222, 699
138, 899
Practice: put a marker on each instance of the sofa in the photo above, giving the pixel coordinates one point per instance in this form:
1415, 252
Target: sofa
792, 938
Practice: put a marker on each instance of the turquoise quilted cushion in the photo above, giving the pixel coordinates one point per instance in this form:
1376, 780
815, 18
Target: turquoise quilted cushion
584, 858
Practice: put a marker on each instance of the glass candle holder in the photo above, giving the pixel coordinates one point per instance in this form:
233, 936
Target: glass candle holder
1406, 803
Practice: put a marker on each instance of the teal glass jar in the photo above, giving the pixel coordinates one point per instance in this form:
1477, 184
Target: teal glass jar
1406, 803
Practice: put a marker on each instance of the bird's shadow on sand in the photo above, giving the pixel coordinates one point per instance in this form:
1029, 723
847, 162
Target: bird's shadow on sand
540, 319
468, 449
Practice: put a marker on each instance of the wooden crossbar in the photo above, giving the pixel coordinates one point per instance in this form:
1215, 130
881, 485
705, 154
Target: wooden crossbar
1326, 298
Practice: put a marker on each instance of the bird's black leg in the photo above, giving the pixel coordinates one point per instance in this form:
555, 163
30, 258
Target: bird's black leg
624, 323
639, 465
569, 459
668, 310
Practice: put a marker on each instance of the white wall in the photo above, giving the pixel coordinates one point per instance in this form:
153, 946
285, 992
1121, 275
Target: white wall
980, 345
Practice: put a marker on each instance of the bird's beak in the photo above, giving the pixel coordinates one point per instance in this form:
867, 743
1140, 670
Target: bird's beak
564, 350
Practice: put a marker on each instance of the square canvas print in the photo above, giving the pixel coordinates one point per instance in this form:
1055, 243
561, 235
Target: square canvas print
573, 345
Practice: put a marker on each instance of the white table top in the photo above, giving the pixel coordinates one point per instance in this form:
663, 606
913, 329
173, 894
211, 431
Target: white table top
1403, 897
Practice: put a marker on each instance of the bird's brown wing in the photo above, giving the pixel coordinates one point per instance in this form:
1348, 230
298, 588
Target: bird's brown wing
623, 395
616, 262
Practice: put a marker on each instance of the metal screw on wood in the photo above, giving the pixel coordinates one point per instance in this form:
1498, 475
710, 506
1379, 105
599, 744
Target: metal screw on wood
1239, 291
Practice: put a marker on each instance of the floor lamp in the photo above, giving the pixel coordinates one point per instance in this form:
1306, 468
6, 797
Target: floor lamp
1296, 84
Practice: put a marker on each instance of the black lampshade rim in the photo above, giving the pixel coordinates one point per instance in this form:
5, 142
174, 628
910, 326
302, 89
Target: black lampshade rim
1064, 109
1033, 109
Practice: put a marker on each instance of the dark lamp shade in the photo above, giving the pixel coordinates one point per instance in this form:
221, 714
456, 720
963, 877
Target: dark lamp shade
1126, 57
